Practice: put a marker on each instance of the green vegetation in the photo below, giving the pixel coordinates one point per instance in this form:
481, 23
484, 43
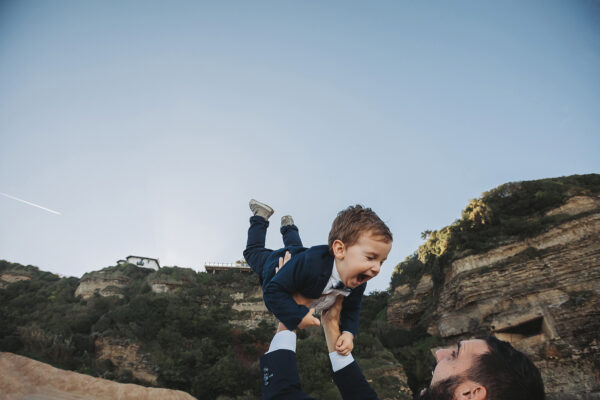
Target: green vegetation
510, 212
186, 333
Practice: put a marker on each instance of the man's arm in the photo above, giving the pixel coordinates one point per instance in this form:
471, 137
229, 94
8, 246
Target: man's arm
279, 370
346, 373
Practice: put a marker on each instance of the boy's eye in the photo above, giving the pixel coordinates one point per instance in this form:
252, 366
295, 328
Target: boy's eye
453, 355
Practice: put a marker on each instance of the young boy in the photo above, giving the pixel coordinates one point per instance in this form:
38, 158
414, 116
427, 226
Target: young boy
359, 242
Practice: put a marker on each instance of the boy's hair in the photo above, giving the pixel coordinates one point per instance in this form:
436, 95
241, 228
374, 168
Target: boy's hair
355, 220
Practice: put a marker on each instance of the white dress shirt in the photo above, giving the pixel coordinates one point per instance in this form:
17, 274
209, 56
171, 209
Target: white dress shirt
329, 294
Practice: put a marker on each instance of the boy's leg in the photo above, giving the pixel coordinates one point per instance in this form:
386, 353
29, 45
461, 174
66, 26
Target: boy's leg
289, 231
255, 253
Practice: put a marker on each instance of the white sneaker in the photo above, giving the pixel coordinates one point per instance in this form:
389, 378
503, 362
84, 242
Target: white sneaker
287, 220
261, 209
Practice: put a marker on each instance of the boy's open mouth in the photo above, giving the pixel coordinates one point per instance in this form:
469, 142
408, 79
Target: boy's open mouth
362, 278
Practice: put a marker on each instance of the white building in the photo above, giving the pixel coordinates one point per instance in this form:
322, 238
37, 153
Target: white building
143, 262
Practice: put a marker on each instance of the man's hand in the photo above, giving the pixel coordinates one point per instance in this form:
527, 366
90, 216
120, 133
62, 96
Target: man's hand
309, 320
283, 261
345, 343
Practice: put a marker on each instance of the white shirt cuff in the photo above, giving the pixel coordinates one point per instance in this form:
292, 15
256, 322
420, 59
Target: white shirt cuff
339, 361
284, 340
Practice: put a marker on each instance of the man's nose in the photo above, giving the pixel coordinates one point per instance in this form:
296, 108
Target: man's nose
442, 353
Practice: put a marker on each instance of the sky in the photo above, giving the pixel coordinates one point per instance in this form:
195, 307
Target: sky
148, 125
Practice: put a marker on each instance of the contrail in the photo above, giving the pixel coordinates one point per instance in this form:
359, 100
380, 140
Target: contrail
31, 204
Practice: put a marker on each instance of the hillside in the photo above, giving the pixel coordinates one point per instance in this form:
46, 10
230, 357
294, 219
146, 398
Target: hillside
173, 328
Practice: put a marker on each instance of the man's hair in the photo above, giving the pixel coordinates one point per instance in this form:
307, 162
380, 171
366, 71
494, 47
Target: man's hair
355, 220
506, 373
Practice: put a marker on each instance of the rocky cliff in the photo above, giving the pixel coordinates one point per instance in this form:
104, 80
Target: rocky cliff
542, 294
126, 355
24, 378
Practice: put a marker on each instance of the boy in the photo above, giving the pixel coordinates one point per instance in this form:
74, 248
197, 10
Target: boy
359, 242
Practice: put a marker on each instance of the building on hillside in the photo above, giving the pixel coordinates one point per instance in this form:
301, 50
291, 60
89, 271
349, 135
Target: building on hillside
143, 262
240, 266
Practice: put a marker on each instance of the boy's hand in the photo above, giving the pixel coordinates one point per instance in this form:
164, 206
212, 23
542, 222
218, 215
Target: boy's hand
309, 320
345, 343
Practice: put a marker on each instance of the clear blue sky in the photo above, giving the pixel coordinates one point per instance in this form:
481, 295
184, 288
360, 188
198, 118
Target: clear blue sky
149, 125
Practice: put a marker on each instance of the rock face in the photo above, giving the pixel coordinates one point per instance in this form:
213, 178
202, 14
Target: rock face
7, 278
251, 310
127, 356
24, 378
10, 277
104, 287
407, 305
540, 294
164, 287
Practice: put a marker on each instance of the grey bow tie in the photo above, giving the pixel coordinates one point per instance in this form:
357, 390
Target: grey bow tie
340, 286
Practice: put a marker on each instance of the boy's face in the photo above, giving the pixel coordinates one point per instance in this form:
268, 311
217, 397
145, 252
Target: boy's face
362, 261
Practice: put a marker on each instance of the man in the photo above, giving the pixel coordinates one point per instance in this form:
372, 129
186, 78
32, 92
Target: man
484, 369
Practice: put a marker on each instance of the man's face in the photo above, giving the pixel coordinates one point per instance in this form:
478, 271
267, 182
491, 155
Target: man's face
455, 361
362, 261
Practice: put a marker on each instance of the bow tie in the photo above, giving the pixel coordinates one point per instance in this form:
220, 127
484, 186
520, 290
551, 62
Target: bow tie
340, 286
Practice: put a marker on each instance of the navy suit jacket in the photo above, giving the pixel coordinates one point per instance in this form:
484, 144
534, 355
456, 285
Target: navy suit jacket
280, 379
307, 273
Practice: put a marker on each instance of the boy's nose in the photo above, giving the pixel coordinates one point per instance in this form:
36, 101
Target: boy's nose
376, 268
442, 353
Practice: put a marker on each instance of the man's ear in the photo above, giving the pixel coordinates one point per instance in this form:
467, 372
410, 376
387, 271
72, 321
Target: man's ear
470, 390
339, 249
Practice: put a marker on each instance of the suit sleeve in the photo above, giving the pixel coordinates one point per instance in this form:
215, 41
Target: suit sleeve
278, 292
279, 377
352, 384
351, 310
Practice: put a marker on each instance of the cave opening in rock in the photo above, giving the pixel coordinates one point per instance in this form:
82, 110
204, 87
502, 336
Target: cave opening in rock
523, 330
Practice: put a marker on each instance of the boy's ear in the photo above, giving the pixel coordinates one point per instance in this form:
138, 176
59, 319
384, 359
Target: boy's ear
339, 249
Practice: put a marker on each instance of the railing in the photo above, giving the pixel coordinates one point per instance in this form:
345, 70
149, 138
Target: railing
215, 266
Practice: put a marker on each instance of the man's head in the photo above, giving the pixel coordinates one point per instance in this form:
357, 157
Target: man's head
481, 369
360, 242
